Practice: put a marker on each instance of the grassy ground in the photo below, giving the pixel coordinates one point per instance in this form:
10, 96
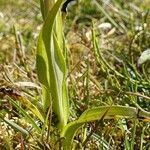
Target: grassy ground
109, 74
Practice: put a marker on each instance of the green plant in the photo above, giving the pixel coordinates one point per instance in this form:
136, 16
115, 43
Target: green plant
51, 68
50, 123
52, 62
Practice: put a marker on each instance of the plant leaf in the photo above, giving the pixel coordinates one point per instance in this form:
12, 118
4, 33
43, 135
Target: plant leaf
42, 9
92, 115
50, 59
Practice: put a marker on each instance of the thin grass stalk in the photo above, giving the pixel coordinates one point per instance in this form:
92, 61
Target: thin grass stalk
133, 135
142, 138
14, 125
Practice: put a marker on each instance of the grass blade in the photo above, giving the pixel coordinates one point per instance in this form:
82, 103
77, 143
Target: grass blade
27, 104
14, 125
28, 117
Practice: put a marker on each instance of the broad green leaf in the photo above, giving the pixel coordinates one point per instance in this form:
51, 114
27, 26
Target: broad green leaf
45, 5
51, 66
61, 78
42, 9
43, 71
92, 115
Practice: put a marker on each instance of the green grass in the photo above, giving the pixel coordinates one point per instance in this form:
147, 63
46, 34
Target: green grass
102, 74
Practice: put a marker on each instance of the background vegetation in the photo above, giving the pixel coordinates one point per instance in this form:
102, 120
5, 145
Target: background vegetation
104, 42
